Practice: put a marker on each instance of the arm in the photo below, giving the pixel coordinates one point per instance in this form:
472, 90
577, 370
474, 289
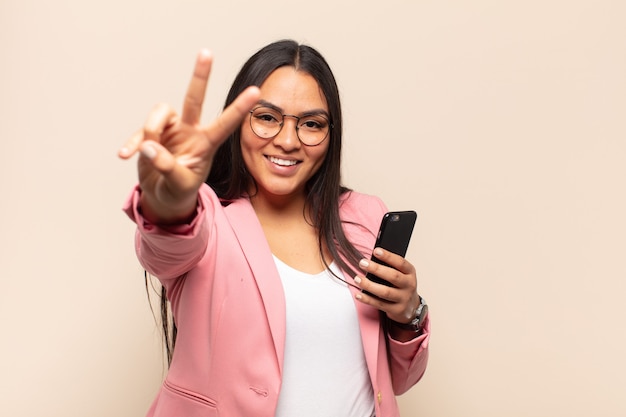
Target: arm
408, 350
175, 157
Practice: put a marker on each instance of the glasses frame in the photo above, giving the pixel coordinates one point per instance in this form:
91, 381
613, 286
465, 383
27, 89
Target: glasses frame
282, 124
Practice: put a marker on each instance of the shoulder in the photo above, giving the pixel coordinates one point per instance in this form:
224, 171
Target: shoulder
217, 212
361, 215
208, 196
356, 205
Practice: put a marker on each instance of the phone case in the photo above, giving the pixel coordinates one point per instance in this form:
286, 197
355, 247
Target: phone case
394, 235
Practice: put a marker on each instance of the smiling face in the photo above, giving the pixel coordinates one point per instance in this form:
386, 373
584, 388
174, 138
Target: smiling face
282, 165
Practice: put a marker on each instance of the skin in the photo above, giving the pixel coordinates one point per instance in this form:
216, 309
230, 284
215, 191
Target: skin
293, 92
176, 153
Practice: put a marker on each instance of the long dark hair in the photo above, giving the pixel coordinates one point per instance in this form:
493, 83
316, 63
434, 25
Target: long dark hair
230, 179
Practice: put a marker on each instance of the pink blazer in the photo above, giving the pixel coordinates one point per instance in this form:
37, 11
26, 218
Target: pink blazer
229, 307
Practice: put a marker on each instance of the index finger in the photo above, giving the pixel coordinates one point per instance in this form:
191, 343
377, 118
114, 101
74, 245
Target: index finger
192, 107
393, 260
231, 117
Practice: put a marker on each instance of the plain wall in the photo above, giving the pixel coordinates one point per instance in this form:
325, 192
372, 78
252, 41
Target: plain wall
500, 122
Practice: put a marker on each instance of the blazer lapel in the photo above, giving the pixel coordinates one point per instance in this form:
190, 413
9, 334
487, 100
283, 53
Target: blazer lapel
254, 245
369, 317
369, 324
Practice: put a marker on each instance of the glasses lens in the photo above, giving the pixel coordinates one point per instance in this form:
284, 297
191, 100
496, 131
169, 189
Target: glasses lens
265, 122
312, 130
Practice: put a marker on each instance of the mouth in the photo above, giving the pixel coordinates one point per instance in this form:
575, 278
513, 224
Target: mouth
282, 162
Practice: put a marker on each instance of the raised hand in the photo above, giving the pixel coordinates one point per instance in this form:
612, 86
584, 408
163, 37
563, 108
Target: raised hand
176, 152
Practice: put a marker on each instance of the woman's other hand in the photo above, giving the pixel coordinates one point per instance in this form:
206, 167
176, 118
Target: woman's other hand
399, 301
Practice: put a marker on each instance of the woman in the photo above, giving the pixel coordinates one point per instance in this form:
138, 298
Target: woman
264, 264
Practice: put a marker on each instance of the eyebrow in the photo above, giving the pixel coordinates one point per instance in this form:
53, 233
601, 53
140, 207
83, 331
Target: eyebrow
312, 112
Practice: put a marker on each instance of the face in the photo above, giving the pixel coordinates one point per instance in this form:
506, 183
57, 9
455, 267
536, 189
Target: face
282, 165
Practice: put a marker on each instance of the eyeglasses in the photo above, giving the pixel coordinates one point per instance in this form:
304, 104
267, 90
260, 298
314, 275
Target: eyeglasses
311, 129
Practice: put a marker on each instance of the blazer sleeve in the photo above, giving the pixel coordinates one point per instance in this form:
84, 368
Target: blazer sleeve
408, 360
169, 252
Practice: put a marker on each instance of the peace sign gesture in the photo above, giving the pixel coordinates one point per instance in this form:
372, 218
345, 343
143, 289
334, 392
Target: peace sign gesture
176, 152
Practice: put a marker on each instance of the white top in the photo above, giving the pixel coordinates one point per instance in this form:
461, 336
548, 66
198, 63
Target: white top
325, 374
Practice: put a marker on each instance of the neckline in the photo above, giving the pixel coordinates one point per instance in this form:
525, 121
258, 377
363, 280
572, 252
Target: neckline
332, 266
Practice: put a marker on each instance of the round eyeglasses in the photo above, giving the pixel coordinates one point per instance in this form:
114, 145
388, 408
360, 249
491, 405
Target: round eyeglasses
267, 122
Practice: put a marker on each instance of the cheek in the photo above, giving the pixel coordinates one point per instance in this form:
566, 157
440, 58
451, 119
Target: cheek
248, 144
322, 152
319, 156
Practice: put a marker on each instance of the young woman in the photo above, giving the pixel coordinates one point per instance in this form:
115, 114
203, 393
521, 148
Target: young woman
263, 253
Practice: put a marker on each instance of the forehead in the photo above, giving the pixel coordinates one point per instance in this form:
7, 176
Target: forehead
293, 91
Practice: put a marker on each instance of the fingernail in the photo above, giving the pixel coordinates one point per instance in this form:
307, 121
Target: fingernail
363, 263
357, 279
148, 151
358, 296
378, 251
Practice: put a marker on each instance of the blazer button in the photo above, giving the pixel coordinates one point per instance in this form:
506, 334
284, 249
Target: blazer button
380, 397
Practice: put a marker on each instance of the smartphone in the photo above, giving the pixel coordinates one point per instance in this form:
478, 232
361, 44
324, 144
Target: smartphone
394, 235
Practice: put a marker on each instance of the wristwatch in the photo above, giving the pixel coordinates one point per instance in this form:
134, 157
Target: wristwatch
417, 323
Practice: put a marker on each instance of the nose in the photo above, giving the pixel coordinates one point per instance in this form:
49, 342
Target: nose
287, 138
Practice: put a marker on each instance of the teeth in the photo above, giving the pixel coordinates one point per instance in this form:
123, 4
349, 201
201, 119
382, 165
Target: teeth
282, 162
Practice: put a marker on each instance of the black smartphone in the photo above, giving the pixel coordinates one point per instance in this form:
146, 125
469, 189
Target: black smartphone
394, 235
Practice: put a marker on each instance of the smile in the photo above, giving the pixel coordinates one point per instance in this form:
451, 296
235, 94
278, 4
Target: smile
282, 162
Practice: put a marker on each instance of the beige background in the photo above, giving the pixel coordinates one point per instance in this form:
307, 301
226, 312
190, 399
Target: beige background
500, 122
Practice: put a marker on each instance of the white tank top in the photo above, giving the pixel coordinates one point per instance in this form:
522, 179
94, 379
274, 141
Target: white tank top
325, 374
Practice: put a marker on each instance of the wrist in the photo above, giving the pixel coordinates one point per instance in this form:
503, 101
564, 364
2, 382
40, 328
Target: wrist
416, 325
167, 215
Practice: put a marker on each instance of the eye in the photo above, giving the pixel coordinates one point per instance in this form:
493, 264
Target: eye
313, 123
266, 116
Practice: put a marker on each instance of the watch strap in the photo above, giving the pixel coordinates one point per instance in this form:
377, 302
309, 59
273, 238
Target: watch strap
417, 323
